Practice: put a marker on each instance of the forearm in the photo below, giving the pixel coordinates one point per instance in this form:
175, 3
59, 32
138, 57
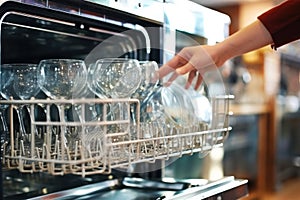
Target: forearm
252, 37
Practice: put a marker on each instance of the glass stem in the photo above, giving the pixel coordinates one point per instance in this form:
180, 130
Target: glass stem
63, 119
25, 146
3, 122
20, 115
4, 132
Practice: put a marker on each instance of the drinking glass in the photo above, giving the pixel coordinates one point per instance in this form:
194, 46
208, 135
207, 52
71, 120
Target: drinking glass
25, 81
25, 86
89, 112
115, 78
149, 80
19, 81
60, 79
174, 102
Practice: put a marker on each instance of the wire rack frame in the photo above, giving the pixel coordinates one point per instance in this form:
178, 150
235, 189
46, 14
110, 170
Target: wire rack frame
95, 142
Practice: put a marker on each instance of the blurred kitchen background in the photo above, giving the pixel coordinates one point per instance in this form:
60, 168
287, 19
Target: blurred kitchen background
264, 145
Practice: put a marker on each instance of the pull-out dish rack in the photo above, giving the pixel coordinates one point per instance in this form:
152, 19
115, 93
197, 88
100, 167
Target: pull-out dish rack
83, 146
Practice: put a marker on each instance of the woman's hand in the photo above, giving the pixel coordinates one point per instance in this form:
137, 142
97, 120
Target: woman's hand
194, 61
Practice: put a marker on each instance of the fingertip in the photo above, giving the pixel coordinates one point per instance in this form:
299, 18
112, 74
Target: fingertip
187, 85
197, 85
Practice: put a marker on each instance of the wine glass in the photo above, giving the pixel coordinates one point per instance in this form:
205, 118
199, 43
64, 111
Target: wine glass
25, 86
19, 81
25, 81
115, 78
60, 79
89, 111
149, 80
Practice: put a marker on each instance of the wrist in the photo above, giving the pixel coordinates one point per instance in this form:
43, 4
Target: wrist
218, 54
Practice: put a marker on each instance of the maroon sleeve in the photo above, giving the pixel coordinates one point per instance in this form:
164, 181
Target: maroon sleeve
283, 22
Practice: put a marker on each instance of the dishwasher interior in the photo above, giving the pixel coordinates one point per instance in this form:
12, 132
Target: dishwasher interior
57, 148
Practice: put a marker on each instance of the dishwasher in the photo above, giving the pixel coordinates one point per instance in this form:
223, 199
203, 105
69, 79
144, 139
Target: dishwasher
80, 144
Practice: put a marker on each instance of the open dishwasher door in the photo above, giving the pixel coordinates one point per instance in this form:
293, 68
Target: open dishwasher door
137, 188
57, 157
